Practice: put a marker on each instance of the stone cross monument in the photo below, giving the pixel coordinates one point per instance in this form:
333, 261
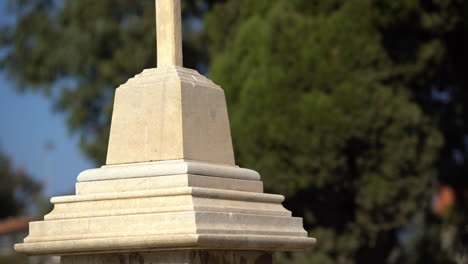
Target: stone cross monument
170, 191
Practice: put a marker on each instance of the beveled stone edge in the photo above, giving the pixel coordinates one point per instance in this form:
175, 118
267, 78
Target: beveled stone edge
165, 168
169, 242
154, 76
168, 181
171, 209
194, 191
177, 231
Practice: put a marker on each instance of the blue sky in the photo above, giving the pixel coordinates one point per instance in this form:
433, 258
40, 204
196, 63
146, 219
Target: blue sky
27, 124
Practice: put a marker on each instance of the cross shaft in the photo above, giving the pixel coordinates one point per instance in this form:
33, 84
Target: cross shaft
169, 32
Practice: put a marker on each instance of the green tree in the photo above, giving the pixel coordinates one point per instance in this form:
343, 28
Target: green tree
341, 105
78, 52
433, 62
17, 189
20, 195
331, 101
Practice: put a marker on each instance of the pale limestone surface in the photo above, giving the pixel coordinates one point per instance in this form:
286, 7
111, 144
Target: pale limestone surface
170, 113
160, 212
176, 257
166, 168
169, 32
170, 181
170, 185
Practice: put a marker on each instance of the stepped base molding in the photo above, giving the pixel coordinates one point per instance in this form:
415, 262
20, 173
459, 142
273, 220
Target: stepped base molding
166, 205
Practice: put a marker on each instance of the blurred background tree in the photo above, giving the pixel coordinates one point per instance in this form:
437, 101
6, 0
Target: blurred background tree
355, 110
17, 189
19, 194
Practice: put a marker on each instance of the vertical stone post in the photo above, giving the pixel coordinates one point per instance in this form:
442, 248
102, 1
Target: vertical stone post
169, 32
170, 191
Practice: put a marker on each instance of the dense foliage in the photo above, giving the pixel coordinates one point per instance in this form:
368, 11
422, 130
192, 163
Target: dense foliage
17, 189
351, 150
340, 105
355, 110
78, 52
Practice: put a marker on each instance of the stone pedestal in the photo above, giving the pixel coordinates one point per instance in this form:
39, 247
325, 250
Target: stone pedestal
170, 191
170, 113
166, 205
170, 183
175, 257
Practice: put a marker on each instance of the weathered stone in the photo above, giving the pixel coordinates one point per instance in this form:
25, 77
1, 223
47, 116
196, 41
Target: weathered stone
160, 212
170, 113
169, 31
170, 191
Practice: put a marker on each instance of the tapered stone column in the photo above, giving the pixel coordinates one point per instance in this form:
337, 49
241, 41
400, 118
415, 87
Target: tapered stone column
170, 191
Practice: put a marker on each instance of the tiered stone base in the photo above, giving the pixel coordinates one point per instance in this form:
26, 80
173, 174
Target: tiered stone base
167, 205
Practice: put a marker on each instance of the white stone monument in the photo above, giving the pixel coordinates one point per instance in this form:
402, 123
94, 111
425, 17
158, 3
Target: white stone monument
170, 191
